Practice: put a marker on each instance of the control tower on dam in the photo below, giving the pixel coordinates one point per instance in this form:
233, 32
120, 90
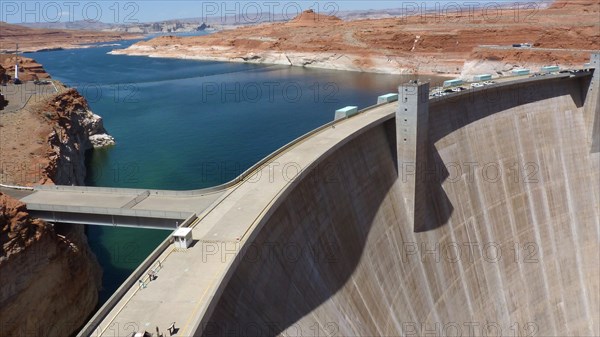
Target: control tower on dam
474, 214
503, 241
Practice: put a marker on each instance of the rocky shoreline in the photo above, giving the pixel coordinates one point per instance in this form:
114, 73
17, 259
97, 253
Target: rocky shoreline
331, 61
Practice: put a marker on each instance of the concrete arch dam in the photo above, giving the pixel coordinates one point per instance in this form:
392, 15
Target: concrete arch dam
474, 214
504, 241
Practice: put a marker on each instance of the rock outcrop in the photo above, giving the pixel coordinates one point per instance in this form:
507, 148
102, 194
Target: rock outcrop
49, 279
78, 130
29, 69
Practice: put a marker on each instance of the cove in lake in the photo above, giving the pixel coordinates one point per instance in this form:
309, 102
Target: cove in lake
183, 124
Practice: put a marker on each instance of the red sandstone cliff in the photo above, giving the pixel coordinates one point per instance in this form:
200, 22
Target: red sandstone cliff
77, 130
49, 280
29, 69
45, 141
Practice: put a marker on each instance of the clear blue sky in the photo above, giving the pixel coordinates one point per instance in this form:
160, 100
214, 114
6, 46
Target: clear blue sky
124, 11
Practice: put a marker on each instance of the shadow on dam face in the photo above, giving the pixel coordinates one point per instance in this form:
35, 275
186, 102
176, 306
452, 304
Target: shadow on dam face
511, 247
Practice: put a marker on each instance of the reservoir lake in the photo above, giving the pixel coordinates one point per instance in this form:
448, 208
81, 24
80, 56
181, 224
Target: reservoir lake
186, 124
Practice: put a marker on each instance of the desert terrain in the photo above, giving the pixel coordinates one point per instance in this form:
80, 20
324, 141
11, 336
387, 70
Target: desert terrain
33, 39
455, 43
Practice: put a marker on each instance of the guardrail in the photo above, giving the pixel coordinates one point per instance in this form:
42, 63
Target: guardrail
498, 85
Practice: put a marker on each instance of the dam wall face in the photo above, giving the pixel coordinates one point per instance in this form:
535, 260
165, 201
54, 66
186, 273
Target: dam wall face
509, 247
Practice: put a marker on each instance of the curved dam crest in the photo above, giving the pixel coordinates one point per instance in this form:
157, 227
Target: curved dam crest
361, 271
503, 241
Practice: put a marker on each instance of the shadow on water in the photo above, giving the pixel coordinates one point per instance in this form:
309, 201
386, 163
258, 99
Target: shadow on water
120, 251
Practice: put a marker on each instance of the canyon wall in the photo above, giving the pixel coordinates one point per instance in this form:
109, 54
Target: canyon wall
49, 278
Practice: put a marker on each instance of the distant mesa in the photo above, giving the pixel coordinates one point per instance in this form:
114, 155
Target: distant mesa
310, 17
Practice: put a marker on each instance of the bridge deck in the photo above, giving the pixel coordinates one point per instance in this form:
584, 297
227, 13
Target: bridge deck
117, 207
193, 204
82, 199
